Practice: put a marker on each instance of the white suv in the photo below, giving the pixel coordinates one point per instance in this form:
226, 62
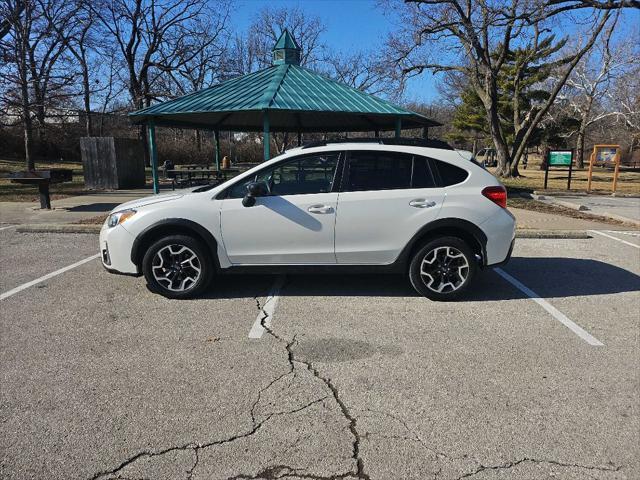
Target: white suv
387, 206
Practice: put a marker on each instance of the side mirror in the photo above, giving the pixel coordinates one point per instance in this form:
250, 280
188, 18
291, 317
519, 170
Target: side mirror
254, 190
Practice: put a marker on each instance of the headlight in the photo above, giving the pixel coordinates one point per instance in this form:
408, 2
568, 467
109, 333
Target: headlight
118, 217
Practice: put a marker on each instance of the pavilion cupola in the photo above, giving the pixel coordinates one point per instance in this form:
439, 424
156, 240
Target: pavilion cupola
286, 51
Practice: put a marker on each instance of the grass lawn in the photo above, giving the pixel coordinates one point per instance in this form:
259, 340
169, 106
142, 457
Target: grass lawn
602, 181
16, 192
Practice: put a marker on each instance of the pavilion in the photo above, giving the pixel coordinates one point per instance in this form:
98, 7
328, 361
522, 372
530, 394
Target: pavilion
284, 97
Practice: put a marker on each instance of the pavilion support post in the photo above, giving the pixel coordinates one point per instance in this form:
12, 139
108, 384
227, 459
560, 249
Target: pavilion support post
151, 128
398, 127
266, 138
425, 132
216, 137
299, 138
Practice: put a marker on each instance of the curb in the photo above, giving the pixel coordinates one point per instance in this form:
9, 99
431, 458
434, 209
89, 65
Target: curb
552, 234
95, 229
576, 193
574, 206
58, 228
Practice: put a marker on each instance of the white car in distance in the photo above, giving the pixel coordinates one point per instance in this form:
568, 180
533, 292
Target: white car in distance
385, 206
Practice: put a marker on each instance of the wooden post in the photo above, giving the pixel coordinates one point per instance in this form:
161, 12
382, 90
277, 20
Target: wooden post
570, 171
590, 173
216, 137
546, 170
154, 156
266, 139
616, 170
398, 127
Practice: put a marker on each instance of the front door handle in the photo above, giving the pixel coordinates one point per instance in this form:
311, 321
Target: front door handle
422, 203
320, 209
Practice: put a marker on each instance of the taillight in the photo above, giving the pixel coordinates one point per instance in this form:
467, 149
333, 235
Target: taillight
497, 195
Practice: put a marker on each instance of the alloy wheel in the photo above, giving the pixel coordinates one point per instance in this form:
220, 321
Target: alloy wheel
444, 269
176, 267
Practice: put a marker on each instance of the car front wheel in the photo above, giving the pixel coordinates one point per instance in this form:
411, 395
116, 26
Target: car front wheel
443, 269
177, 266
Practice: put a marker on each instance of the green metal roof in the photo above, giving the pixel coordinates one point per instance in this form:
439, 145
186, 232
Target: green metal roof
295, 99
286, 41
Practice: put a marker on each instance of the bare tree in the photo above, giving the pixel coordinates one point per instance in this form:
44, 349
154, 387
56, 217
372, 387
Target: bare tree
589, 90
78, 33
154, 37
479, 39
34, 70
366, 71
253, 51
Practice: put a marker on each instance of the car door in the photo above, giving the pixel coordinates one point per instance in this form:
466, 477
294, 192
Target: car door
386, 198
294, 224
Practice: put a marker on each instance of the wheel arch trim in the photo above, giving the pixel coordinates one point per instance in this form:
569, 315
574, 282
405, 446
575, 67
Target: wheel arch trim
446, 224
180, 226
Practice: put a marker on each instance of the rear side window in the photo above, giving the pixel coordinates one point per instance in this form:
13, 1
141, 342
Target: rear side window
422, 176
373, 170
450, 174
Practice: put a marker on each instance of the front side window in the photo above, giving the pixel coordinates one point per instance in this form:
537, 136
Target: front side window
302, 175
376, 170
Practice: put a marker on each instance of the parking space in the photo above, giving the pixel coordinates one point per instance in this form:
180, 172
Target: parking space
352, 377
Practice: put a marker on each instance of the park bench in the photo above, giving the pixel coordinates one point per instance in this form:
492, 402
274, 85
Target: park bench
42, 179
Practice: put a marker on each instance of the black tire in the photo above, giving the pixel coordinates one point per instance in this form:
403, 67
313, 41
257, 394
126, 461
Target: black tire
191, 288
454, 270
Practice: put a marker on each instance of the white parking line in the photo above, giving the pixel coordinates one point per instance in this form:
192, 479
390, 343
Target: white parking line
268, 309
8, 227
46, 277
557, 314
614, 238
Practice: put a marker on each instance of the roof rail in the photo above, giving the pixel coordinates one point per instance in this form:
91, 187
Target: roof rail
411, 142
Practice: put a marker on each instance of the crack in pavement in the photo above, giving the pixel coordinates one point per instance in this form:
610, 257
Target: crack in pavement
355, 454
197, 447
512, 464
480, 467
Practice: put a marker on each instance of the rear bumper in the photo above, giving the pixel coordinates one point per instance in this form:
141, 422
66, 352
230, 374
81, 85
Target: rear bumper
507, 258
500, 230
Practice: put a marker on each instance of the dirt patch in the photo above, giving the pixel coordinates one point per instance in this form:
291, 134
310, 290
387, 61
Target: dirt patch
97, 220
537, 206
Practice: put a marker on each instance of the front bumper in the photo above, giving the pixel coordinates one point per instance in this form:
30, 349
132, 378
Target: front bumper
115, 250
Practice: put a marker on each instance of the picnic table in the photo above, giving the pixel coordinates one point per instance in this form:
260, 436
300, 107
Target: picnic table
197, 176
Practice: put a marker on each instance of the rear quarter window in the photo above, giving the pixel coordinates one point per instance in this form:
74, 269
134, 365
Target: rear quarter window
450, 174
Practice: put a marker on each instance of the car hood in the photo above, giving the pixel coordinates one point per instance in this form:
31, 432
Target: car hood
142, 202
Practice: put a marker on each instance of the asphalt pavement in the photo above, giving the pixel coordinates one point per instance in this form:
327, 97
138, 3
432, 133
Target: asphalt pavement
347, 376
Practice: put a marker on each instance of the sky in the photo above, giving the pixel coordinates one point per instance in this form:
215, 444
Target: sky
350, 25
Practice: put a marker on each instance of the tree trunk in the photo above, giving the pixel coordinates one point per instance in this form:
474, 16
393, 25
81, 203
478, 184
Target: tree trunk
28, 144
87, 100
580, 145
502, 150
27, 122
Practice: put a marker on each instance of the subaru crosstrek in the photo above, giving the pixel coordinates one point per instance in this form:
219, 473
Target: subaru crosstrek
428, 213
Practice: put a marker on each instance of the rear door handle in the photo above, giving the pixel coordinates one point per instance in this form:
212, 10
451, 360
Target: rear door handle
422, 203
320, 209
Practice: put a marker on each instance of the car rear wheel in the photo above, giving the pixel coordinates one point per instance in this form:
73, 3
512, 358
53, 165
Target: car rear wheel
443, 269
177, 266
